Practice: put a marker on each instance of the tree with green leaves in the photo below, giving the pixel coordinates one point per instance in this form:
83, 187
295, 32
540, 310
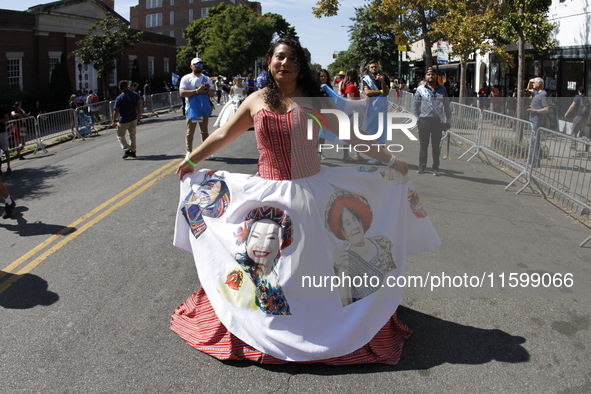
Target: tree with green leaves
408, 20
525, 21
231, 38
345, 60
105, 42
469, 26
370, 40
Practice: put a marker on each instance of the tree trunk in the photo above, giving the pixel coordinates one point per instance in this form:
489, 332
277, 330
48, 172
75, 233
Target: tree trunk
463, 74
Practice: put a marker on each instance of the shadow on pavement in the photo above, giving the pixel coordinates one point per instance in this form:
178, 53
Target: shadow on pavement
158, 157
433, 342
234, 160
26, 291
26, 229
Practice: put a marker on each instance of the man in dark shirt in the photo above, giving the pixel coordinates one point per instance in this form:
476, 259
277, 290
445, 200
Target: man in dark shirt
375, 84
433, 111
127, 110
580, 106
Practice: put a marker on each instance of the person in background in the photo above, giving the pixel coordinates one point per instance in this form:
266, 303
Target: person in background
375, 84
20, 128
538, 109
262, 78
249, 84
148, 96
196, 88
4, 117
580, 106
218, 88
126, 112
350, 89
9, 203
432, 108
338, 79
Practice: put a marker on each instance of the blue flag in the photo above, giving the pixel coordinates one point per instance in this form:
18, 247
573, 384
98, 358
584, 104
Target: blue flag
175, 79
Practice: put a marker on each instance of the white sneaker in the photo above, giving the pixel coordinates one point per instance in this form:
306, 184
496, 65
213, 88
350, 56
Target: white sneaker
373, 161
212, 157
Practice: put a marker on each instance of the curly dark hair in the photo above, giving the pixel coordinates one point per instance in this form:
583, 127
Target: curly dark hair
305, 80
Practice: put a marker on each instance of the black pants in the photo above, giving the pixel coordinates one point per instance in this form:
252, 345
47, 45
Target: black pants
430, 129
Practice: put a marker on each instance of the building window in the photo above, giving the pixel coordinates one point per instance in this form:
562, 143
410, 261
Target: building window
54, 58
150, 66
15, 72
190, 16
153, 20
153, 3
171, 2
172, 17
131, 61
166, 65
204, 11
191, 1
113, 77
172, 33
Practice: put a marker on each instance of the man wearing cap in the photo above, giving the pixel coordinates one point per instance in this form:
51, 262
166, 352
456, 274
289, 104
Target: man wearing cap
337, 81
433, 111
196, 88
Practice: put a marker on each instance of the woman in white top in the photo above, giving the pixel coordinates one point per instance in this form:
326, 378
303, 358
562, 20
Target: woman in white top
237, 95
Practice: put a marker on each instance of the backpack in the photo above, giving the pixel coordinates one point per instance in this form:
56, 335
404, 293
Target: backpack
94, 98
585, 106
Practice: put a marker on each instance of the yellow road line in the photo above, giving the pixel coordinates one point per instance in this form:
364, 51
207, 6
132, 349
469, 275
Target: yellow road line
163, 171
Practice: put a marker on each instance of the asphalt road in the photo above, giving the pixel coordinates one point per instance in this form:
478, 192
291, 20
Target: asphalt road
94, 278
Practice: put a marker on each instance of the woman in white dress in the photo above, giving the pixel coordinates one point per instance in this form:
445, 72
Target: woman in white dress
237, 95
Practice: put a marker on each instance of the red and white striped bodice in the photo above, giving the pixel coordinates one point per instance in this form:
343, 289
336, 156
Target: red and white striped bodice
285, 152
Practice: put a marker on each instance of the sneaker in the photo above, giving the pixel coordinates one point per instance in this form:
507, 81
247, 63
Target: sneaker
421, 170
373, 161
8, 208
132, 153
212, 157
126, 154
436, 172
21, 157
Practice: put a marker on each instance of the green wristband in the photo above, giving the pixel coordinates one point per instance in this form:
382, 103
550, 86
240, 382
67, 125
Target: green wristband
190, 162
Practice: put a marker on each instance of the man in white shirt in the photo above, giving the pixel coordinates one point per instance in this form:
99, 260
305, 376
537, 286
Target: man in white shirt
195, 84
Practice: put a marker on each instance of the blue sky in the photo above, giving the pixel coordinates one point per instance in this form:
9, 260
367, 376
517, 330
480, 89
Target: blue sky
322, 37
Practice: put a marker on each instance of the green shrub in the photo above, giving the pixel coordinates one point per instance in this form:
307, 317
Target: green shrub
508, 147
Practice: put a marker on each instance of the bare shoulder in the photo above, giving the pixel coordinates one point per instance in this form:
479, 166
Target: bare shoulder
254, 102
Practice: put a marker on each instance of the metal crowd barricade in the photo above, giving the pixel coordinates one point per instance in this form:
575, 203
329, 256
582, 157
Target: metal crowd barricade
565, 170
466, 125
55, 124
160, 101
100, 113
23, 132
405, 100
175, 100
508, 139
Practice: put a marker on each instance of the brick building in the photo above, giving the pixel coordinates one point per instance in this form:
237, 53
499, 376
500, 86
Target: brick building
33, 41
170, 17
